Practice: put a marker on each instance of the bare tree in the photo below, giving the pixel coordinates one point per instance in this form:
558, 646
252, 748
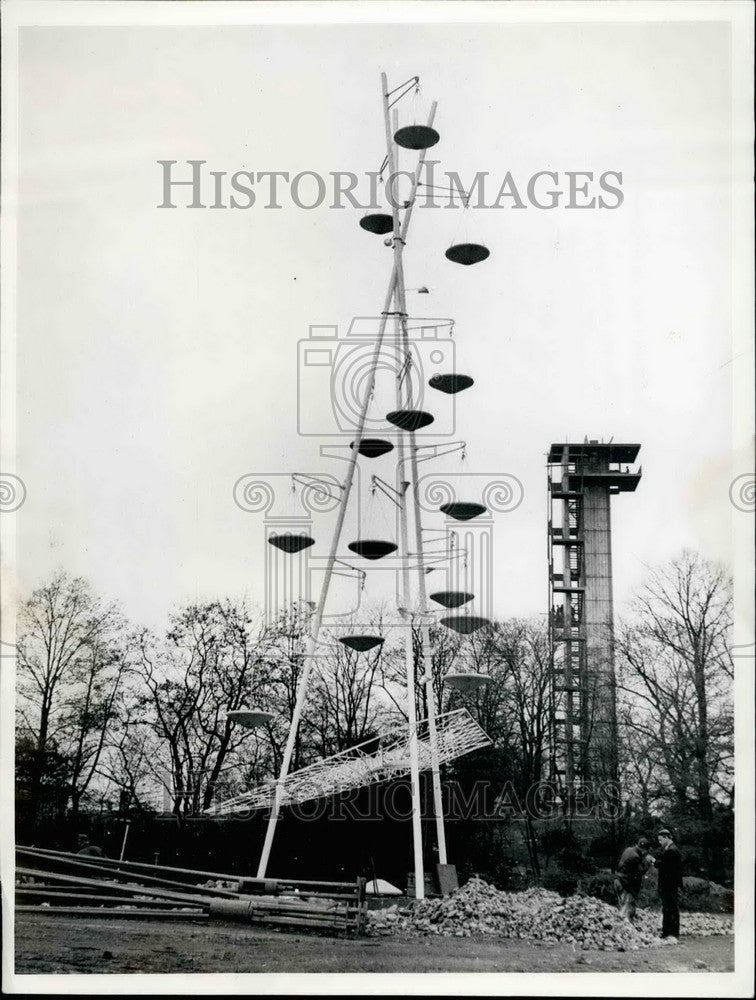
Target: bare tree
207, 663
676, 669
344, 710
69, 669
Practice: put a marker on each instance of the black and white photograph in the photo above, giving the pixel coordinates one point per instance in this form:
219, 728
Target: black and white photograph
377, 497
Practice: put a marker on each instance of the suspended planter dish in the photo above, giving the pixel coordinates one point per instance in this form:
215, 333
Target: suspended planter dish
378, 223
465, 624
373, 447
463, 511
416, 137
466, 682
361, 643
371, 548
450, 384
409, 420
288, 542
252, 718
467, 253
451, 598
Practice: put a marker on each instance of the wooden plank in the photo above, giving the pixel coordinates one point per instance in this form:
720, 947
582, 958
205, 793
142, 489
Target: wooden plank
108, 862
119, 900
103, 911
297, 882
135, 889
91, 867
131, 865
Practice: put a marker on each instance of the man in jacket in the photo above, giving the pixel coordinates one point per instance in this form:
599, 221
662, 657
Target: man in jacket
89, 849
629, 877
669, 866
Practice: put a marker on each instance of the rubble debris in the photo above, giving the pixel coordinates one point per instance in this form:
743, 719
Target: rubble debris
536, 914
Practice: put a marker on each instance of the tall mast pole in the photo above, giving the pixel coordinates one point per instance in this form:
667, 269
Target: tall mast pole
401, 396
348, 482
400, 300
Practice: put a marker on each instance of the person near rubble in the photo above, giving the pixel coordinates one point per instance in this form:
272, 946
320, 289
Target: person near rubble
87, 848
629, 877
669, 867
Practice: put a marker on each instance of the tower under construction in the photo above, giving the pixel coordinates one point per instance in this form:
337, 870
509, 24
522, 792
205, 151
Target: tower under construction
581, 479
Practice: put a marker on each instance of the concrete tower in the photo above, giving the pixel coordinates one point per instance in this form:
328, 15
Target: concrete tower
581, 480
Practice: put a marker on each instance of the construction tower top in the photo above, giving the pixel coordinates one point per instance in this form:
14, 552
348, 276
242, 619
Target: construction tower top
592, 464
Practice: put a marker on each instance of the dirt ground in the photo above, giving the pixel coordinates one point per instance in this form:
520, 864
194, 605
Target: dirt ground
81, 944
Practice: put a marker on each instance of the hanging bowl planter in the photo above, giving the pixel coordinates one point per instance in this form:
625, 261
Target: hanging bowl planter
467, 253
377, 222
451, 598
463, 511
373, 447
371, 548
451, 384
465, 624
466, 682
409, 420
288, 542
416, 137
252, 718
361, 643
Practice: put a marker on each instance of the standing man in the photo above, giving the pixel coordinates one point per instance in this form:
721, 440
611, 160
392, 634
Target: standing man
669, 865
87, 848
629, 877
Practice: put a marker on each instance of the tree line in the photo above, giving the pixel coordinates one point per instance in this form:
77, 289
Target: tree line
107, 712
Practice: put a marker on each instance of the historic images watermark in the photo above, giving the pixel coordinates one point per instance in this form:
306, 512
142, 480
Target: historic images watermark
482, 801
12, 492
191, 184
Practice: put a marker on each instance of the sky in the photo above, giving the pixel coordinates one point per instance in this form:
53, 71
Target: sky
158, 350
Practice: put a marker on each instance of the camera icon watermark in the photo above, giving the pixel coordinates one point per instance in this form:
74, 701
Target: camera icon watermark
340, 369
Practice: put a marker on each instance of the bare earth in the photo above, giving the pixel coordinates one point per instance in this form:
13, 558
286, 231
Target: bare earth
80, 945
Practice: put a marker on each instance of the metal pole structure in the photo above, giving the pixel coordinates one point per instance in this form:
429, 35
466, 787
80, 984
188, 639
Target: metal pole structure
125, 837
427, 677
401, 307
401, 396
318, 616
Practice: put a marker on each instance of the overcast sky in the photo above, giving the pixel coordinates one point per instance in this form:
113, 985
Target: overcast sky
158, 349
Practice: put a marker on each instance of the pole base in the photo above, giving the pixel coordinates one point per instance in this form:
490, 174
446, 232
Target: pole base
446, 876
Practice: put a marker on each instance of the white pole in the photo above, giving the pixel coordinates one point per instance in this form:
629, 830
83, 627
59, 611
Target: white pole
318, 616
401, 307
438, 806
409, 656
125, 837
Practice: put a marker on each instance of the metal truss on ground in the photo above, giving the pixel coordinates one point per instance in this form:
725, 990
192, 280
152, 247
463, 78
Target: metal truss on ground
457, 734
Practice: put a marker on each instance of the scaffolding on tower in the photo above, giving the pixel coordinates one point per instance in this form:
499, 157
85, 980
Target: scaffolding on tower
581, 479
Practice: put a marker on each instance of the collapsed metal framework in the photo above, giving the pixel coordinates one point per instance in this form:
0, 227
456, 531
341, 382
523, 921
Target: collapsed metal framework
581, 479
457, 733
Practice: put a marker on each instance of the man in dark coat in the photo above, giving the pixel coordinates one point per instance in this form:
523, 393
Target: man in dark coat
91, 850
669, 865
629, 876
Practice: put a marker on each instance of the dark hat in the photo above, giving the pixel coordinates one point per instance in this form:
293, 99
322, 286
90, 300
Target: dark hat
664, 833
644, 842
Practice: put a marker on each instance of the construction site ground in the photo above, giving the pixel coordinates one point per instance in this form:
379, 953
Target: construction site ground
58, 944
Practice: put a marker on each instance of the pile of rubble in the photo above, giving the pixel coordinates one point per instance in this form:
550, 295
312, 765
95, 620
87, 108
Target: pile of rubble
699, 924
536, 914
